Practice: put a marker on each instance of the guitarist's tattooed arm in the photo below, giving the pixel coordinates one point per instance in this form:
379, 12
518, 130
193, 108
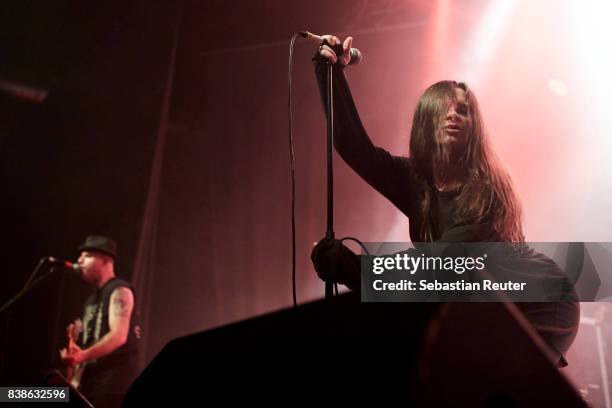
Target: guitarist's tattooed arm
120, 311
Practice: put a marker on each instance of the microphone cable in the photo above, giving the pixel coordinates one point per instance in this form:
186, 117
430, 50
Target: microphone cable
292, 163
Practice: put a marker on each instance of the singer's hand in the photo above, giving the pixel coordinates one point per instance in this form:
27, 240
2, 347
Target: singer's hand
334, 262
330, 55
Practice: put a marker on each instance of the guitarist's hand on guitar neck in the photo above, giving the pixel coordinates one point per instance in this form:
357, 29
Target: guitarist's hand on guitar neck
72, 355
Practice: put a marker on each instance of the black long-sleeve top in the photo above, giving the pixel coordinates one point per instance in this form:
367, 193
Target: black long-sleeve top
396, 178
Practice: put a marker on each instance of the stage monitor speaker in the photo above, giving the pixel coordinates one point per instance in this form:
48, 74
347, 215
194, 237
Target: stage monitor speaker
343, 351
488, 355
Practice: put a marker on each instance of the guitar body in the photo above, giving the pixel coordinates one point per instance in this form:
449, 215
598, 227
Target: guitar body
77, 374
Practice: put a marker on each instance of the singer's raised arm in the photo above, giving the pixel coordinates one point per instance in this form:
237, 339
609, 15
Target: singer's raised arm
390, 175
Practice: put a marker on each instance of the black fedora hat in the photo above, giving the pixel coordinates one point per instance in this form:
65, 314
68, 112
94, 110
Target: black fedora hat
101, 244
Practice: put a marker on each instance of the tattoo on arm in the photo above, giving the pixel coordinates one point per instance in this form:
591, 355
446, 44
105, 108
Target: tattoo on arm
122, 302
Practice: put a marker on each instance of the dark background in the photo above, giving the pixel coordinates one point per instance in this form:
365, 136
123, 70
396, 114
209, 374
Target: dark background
80, 162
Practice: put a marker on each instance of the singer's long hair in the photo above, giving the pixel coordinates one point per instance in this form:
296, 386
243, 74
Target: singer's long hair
487, 194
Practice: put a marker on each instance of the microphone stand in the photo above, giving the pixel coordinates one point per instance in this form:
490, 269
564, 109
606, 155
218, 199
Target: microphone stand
31, 283
329, 234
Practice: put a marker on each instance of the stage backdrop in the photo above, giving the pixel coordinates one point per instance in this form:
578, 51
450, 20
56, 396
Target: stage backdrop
167, 128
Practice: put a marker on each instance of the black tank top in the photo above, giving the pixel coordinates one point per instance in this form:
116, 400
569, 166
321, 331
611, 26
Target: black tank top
113, 373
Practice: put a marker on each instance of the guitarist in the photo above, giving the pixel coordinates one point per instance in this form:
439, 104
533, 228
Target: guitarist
107, 351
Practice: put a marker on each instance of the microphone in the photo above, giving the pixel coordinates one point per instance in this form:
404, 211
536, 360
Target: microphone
68, 266
356, 55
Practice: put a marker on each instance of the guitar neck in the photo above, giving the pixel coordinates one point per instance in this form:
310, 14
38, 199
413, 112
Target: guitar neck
73, 331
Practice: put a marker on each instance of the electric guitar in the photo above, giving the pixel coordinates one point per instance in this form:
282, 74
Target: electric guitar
74, 373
